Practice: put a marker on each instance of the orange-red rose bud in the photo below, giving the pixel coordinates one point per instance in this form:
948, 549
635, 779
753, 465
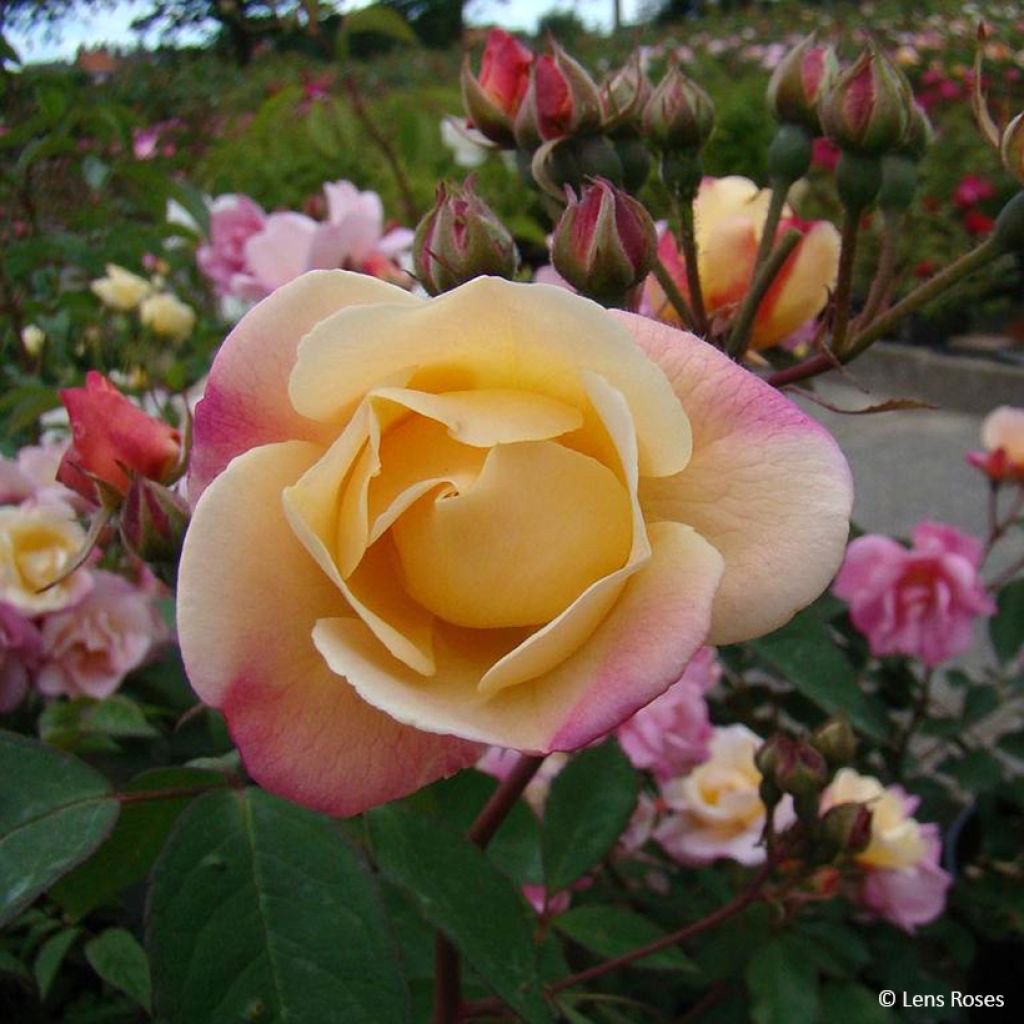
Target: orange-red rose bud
867, 110
1011, 147
112, 438
679, 115
605, 243
492, 100
799, 81
624, 94
153, 521
459, 239
561, 99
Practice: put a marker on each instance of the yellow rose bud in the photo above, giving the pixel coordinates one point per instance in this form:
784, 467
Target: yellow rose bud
33, 338
167, 315
120, 289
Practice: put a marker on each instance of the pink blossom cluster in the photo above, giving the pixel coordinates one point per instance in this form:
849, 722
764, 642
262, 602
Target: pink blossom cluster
250, 253
83, 636
922, 601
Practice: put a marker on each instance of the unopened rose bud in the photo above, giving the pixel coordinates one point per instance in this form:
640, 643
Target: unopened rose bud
802, 772
561, 100
605, 243
679, 115
567, 163
1008, 234
461, 238
1011, 147
835, 741
153, 521
867, 110
33, 338
772, 753
624, 94
493, 99
799, 81
845, 829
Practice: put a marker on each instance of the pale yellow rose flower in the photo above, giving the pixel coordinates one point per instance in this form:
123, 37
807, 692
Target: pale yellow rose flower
167, 315
120, 289
38, 544
896, 839
33, 338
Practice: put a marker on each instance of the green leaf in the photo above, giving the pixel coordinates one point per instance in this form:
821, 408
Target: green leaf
588, 808
66, 724
979, 703
850, 1003
57, 814
376, 19
783, 985
1006, 628
804, 652
611, 931
461, 893
976, 771
51, 956
14, 968
261, 910
515, 848
120, 961
134, 844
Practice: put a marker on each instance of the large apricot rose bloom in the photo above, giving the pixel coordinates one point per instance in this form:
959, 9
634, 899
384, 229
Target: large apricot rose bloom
499, 516
729, 220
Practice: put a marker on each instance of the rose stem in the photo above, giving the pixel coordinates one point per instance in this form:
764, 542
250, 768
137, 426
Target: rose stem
447, 989
689, 242
673, 294
769, 271
739, 903
920, 296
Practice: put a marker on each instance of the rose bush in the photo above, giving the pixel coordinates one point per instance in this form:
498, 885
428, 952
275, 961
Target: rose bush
501, 516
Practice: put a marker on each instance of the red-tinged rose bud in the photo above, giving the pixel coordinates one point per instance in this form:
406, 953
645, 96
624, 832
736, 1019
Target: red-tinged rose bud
1011, 147
624, 94
561, 99
802, 772
567, 163
775, 750
799, 81
867, 110
845, 829
605, 243
153, 521
835, 741
112, 438
679, 116
461, 238
493, 99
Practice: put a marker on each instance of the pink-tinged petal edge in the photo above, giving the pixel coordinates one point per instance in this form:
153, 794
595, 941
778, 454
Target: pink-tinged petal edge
246, 399
767, 485
248, 598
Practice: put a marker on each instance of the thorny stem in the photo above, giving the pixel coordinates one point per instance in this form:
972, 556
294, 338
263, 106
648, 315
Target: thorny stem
384, 145
920, 296
750, 895
844, 280
447, 987
882, 282
689, 244
740, 333
673, 294
776, 204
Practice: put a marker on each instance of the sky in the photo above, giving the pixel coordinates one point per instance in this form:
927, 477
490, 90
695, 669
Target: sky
112, 26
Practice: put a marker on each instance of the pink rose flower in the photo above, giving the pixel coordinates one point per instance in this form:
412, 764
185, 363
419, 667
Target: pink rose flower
902, 881
33, 475
234, 219
716, 811
622, 494
671, 734
1002, 434
20, 649
352, 238
88, 649
920, 602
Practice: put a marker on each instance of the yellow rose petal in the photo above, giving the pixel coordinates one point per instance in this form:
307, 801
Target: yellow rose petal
541, 523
